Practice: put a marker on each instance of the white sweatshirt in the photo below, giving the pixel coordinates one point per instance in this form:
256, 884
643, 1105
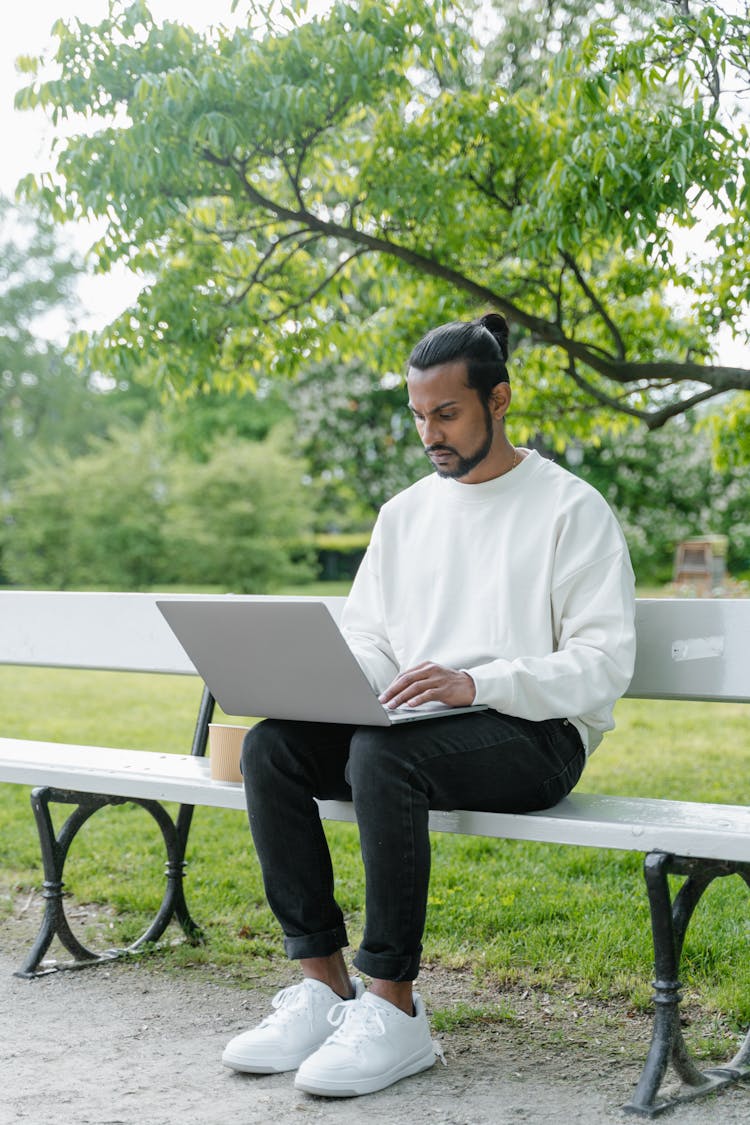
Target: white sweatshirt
524, 582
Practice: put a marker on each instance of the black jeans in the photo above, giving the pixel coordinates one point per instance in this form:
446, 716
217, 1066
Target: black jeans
482, 760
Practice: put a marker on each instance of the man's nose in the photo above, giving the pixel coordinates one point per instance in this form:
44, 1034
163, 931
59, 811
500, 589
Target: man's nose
432, 433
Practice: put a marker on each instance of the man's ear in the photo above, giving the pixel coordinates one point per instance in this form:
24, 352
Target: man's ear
499, 400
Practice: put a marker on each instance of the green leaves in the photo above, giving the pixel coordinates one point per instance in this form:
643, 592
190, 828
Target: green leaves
267, 183
131, 513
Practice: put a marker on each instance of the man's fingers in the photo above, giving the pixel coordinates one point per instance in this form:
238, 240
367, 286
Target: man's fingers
405, 681
429, 683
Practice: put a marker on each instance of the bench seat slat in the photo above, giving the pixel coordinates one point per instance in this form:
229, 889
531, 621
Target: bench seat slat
625, 823
119, 773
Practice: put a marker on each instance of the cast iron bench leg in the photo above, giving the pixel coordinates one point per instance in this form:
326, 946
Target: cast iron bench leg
669, 923
54, 854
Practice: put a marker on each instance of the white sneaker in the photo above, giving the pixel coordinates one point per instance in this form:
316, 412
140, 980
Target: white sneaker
374, 1045
297, 1027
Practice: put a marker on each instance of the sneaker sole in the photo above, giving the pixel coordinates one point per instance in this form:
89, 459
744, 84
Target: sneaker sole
278, 1066
352, 1088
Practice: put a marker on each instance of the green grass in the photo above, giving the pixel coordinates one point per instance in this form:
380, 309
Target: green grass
512, 913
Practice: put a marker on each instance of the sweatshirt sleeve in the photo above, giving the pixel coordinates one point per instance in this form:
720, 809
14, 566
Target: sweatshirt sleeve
363, 620
593, 617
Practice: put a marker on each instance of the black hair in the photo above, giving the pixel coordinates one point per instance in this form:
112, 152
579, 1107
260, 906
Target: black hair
482, 343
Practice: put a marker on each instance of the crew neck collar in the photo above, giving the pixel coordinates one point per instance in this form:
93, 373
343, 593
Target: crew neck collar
496, 486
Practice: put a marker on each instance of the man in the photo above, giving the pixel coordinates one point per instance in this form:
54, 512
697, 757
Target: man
501, 579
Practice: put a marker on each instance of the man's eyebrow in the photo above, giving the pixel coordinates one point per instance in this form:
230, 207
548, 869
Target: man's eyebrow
436, 409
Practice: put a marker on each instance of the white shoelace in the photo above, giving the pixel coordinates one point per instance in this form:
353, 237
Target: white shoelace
358, 1024
287, 1005
355, 1024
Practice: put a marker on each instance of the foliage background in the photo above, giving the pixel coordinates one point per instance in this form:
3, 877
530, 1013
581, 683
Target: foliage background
301, 198
294, 188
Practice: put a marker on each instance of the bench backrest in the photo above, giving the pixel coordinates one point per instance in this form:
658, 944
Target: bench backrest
687, 648
692, 648
107, 631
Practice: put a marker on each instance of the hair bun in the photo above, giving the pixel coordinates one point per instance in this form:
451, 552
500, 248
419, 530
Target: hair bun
498, 326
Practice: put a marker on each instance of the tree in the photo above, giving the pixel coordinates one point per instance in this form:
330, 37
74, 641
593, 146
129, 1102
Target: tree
91, 520
358, 440
195, 423
47, 401
241, 520
664, 488
130, 514
268, 181
36, 383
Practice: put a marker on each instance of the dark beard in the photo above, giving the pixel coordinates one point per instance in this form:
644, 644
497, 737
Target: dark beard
466, 464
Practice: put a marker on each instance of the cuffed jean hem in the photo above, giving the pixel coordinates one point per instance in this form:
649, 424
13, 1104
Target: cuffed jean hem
316, 945
388, 966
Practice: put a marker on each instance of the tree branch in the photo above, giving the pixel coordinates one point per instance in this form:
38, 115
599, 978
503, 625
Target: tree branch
611, 326
656, 418
602, 398
490, 193
619, 370
258, 277
653, 419
291, 308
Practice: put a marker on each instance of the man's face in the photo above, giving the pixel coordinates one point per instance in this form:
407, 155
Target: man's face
457, 429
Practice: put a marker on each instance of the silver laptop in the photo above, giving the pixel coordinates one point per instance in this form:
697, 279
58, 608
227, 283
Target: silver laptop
282, 660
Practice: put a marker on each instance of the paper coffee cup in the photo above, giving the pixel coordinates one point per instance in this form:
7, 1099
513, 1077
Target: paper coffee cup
225, 747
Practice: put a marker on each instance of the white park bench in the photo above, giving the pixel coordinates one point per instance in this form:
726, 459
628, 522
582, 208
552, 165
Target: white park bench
687, 649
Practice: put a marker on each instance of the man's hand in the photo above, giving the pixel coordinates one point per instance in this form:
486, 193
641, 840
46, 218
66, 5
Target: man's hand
430, 683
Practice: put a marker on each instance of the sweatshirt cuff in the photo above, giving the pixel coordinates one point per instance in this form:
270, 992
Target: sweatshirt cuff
466, 672
493, 685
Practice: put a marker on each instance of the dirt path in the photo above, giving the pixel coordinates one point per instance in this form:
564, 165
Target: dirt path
133, 1044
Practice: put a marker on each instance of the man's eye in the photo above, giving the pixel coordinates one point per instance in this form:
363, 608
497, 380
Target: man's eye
447, 417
